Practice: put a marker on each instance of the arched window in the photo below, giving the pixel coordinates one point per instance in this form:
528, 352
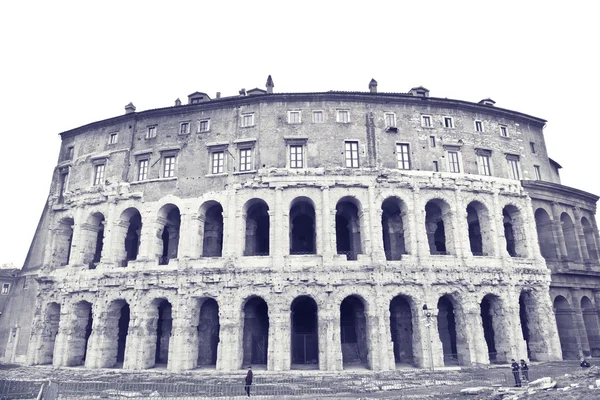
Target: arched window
392, 226
212, 231
169, 218
544, 228
257, 228
347, 228
302, 227
438, 225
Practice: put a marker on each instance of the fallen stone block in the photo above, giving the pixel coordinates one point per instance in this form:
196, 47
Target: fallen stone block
476, 390
542, 383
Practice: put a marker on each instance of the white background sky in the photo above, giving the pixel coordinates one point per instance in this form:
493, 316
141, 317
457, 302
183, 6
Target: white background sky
66, 64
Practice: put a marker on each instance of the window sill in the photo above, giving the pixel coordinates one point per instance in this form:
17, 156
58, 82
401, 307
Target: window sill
245, 172
174, 178
216, 175
200, 132
149, 138
249, 126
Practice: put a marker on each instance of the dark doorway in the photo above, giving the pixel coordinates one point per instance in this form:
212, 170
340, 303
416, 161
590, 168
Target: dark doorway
132, 237
567, 331
393, 229
353, 326
435, 227
524, 317
208, 333
212, 242
347, 229
256, 332
446, 321
302, 227
488, 327
171, 217
401, 329
164, 326
475, 239
305, 336
123, 328
257, 229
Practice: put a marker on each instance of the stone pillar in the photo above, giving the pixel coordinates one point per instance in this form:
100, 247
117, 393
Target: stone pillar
385, 346
149, 237
365, 232
231, 320
99, 340
544, 342
190, 238
183, 345
499, 221
427, 346
559, 238
596, 240
230, 226
531, 231
419, 233
497, 230
471, 344
375, 213
61, 342
279, 352
36, 347
280, 239
460, 236
580, 323
508, 333
327, 239
330, 343
77, 244
583, 250
109, 231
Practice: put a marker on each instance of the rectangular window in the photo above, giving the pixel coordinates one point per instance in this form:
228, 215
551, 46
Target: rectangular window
296, 156
169, 167
143, 170
247, 120
390, 120
318, 117
538, 172
70, 151
432, 141
204, 125
351, 154
245, 160
294, 117
403, 156
484, 164
112, 138
99, 174
343, 116
503, 131
184, 128
532, 147
5, 288
448, 122
64, 175
478, 126
26, 283
513, 166
436, 166
453, 161
426, 121
218, 162
151, 132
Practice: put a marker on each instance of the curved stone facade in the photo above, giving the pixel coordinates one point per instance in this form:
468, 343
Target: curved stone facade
307, 230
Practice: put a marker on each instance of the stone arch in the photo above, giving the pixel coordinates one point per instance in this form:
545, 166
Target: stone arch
401, 329
353, 332
592, 327
393, 228
305, 332
92, 239
567, 331
303, 226
514, 231
348, 236
63, 241
211, 229
255, 341
480, 232
79, 333
48, 335
156, 328
127, 236
438, 225
447, 330
208, 332
589, 237
169, 222
545, 233
495, 329
257, 228
570, 235
114, 338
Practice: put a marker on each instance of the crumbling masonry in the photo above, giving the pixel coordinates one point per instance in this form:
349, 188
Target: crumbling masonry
308, 230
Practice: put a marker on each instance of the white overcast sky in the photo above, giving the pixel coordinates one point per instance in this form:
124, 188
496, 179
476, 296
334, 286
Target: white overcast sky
66, 64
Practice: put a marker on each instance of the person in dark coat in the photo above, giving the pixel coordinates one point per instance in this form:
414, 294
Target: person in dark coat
584, 363
525, 370
515, 372
248, 380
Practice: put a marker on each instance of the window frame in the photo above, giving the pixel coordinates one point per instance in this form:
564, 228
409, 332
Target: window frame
429, 120
436, 166
151, 131
341, 112
538, 172
112, 135
200, 123
70, 153
294, 160
478, 125
454, 166
98, 177
242, 158
220, 161
187, 129
503, 131
484, 162
146, 169
432, 143
243, 119
318, 112
394, 122
5, 288
514, 166
351, 160
172, 166
402, 162
294, 112
532, 147
449, 119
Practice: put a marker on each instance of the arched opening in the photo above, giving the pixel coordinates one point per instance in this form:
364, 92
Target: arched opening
48, 334
590, 242
592, 329
169, 218
491, 319
479, 231
114, 337
256, 332
525, 308
401, 330
128, 233
212, 238
543, 225
63, 239
164, 325
347, 228
393, 228
81, 330
123, 329
439, 227
92, 239
353, 329
305, 332
567, 331
302, 227
569, 234
514, 232
257, 228
446, 321
208, 333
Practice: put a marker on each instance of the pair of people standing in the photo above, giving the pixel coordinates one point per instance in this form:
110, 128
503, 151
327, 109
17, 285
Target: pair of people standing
517, 370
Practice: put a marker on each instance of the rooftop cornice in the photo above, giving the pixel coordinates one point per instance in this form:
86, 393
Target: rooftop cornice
559, 189
380, 97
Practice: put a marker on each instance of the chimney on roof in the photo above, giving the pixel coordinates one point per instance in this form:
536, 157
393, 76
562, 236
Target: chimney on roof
373, 86
177, 102
487, 102
129, 108
242, 92
218, 95
270, 85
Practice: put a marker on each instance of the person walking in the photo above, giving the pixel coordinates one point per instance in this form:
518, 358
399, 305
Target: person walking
525, 371
515, 372
248, 380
